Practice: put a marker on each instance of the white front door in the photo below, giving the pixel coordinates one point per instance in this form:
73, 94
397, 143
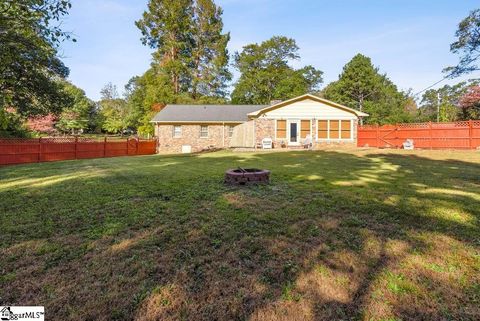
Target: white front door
293, 132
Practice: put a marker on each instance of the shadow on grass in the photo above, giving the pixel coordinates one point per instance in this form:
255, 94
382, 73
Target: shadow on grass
335, 236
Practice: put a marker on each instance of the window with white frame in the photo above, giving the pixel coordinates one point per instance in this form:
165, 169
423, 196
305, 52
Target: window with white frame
177, 131
204, 131
230, 131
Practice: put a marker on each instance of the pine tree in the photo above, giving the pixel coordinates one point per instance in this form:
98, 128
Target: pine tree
191, 48
167, 27
209, 68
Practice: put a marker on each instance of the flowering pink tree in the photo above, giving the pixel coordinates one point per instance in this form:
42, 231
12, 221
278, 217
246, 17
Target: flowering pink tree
42, 124
470, 103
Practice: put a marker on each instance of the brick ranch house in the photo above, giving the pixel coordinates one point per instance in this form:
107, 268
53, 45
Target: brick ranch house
193, 128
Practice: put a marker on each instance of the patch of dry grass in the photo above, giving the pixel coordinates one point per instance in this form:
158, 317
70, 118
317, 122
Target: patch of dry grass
350, 234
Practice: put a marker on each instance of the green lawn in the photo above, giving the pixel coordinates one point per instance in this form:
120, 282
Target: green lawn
337, 235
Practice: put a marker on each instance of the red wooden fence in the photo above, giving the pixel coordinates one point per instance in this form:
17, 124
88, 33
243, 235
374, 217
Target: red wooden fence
458, 135
18, 151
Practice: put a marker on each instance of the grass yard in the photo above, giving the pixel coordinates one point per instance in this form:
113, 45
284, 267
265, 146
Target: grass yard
338, 235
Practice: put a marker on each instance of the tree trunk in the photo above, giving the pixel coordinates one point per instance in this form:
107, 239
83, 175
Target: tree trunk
197, 77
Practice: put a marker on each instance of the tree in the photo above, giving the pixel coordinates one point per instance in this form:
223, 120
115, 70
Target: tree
78, 115
209, 67
443, 104
30, 34
467, 45
361, 86
167, 27
191, 56
470, 103
42, 124
266, 74
114, 110
11, 124
190, 62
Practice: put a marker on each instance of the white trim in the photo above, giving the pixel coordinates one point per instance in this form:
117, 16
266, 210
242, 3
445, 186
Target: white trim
351, 131
298, 122
328, 129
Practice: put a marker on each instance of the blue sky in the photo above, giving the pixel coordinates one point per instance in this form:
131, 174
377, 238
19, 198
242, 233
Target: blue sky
409, 40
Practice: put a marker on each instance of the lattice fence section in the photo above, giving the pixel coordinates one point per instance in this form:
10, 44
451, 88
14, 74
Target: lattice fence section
18, 151
455, 135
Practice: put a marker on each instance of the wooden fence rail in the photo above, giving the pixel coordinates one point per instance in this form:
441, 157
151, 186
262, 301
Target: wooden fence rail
19, 151
458, 135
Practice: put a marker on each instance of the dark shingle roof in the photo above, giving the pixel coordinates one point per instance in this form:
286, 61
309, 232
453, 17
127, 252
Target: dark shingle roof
205, 113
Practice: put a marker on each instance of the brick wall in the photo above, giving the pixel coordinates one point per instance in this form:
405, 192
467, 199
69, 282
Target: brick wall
217, 137
264, 128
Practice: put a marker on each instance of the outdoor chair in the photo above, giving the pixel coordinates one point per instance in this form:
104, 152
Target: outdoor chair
408, 144
307, 142
267, 143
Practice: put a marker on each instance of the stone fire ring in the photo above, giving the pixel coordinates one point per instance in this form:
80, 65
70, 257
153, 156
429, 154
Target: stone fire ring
246, 176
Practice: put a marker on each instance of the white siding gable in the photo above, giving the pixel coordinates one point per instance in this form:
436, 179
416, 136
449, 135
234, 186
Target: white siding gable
308, 109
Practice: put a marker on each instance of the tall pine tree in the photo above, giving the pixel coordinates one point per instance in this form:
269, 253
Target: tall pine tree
191, 48
190, 62
167, 27
209, 67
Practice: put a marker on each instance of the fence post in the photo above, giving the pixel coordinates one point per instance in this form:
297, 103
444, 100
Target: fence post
128, 143
430, 132
397, 145
105, 146
39, 150
377, 136
470, 133
76, 143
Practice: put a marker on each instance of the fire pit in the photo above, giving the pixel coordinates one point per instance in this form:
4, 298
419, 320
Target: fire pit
245, 176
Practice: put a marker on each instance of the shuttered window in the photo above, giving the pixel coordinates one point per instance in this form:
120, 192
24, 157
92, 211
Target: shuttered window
281, 129
305, 128
322, 129
334, 129
346, 129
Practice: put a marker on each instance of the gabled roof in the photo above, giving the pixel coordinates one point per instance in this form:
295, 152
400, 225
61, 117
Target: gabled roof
205, 113
303, 97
